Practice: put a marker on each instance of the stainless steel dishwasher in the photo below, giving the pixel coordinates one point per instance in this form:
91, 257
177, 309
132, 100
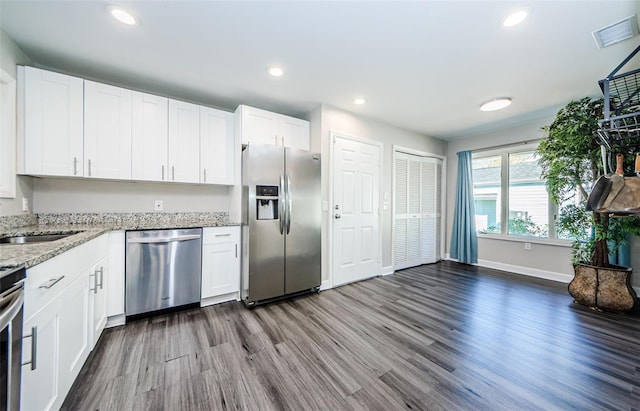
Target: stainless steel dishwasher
163, 269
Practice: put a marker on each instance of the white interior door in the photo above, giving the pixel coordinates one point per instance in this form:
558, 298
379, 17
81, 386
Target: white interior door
356, 182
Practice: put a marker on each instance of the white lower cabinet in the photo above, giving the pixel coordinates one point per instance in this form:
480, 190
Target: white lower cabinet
40, 374
59, 330
220, 264
98, 298
75, 344
115, 283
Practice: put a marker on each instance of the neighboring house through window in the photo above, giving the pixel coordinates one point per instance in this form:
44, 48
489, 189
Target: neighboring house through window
507, 187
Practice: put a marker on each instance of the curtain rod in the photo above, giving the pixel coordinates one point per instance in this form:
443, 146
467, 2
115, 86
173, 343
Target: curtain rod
521, 143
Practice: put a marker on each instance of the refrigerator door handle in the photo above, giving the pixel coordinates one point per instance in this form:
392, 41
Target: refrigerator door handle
288, 193
281, 207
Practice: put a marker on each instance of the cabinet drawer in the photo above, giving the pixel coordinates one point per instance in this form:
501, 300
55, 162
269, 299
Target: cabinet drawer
47, 280
217, 235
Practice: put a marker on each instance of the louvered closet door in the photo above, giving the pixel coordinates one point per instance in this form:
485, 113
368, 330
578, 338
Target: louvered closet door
417, 210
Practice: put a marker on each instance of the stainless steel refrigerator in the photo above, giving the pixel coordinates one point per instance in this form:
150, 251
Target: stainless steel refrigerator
281, 222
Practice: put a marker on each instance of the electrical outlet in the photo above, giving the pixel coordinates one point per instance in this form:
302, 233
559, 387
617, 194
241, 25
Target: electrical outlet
158, 205
527, 246
25, 204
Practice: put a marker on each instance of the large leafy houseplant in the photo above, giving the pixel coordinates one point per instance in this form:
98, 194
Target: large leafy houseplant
571, 162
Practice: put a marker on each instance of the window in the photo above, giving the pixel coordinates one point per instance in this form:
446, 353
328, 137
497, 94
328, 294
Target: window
507, 187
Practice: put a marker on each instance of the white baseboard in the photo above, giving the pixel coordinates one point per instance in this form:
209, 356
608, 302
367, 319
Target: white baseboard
116, 320
219, 299
387, 270
531, 272
326, 285
517, 269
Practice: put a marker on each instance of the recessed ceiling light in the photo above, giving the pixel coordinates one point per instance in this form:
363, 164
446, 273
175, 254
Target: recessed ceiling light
515, 18
359, 101
276, 71
496, 104
123, 16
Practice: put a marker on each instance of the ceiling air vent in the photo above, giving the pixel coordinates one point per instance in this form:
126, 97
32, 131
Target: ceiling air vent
616, 32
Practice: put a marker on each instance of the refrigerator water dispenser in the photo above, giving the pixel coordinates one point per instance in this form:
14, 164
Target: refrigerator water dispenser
267, 202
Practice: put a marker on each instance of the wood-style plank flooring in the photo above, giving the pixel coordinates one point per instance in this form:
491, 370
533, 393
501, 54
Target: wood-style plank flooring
437, 337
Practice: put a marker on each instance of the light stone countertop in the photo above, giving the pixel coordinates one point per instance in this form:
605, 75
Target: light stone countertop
32, 254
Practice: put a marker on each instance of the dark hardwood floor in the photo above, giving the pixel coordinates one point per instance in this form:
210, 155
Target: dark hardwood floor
436, 337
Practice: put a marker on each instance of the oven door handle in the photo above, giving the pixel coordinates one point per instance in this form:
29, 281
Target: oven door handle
8, 314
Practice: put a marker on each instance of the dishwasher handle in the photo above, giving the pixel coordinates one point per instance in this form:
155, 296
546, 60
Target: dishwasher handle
156, 240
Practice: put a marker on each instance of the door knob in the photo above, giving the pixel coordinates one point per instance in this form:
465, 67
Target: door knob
337, 216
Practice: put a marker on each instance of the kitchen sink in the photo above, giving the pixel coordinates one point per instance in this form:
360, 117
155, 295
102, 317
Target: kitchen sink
34, 238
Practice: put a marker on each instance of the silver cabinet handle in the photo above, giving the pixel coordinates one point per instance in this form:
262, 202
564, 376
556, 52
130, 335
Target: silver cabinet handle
89, 163
236, 250
51, 282
95, 282
205, 175
163, 172
75, 166
275, 139
282, 139
34, 347
223, 235
173, 173
101, 278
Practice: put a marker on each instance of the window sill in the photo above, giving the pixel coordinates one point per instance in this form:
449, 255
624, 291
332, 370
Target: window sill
532, 240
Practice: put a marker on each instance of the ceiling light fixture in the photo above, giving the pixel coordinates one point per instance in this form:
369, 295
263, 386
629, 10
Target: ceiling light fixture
515, 18
275, 71
496, 104
359, 101
123, 16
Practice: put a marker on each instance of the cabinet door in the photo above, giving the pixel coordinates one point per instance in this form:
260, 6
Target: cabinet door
220, 261
40, 386
217, 147
107, 131
98, 298
115, 280
258, 126
184, 142
149, 139
51, 120
75, 345
294, 132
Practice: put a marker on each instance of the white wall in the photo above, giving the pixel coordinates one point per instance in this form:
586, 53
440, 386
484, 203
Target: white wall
332, 119
10, 56
51, 195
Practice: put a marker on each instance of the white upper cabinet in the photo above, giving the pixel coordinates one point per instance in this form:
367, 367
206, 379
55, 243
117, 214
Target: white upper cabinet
258, 126
264, 127
294, 132
73, 127
217, 147
107, 131
50, 119
149, 139
184, 142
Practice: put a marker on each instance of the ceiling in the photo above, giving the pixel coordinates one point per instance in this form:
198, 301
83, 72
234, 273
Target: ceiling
423, 66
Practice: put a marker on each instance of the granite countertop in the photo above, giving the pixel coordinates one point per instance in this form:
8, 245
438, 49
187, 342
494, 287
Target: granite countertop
85, 228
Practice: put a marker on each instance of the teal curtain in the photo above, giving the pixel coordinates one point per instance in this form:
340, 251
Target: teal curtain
464, 241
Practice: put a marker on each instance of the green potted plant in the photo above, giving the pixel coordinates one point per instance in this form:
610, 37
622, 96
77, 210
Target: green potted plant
571, 163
